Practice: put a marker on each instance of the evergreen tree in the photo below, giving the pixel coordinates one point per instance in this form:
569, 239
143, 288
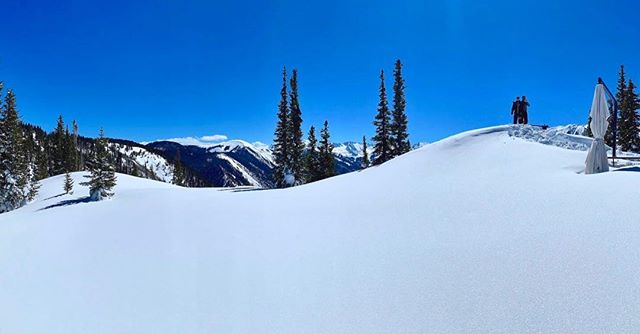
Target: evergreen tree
32, 150
312, 158
633, 104
102, 176
382, 139
327, 161
620, 98
78, 152
365, 154
398, 127
281, 150
15, 176
296, 145
71, 153
59, 148
68, 183
178, 172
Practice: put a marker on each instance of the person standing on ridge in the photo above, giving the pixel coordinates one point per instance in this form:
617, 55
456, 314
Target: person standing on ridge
514, 109
524, 106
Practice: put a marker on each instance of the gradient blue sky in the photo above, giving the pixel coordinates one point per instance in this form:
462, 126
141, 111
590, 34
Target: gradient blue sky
146, 70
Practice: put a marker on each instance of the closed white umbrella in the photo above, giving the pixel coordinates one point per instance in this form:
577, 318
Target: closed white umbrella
597, 156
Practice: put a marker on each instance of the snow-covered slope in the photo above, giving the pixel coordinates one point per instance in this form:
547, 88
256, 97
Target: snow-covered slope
483, 232
159, 168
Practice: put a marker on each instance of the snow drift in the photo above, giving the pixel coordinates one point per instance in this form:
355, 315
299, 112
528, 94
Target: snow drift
482, 232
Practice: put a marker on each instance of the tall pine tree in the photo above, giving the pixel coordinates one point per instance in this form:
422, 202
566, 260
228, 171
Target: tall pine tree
312, 158
327, 161
281, 150
59, 148
102, 176
620, 98
399, 122
294, 132
71, 152
633, 119
365, 155
15, 175
382, 140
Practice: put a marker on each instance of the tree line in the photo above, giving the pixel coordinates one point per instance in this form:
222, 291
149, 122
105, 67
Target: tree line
628, 119
28, 154
297, 163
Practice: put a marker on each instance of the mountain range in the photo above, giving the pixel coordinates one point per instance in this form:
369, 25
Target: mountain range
230, 163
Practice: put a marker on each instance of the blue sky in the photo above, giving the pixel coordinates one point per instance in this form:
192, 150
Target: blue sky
166, 69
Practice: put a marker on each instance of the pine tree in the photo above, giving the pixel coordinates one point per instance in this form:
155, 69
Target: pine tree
633, 104
382, 140
398, 127
620, 98
78, 157
58, 148
312, 159
71, 153
15, 177
327, 161
296, 145
178, 173
281, 150
365, 154
68, 183
102, 176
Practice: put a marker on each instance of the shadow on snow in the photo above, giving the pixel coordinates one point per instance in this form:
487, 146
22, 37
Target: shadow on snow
85, 199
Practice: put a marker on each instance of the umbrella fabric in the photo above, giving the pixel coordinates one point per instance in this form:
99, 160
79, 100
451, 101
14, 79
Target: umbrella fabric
597, 156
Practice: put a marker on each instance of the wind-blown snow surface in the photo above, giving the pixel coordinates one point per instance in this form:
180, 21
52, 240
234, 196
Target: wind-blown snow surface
482, 232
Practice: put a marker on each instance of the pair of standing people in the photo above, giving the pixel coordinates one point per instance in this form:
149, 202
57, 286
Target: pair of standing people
519, 110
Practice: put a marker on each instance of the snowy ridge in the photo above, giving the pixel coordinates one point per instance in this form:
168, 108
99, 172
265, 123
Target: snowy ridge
248, 176
159, 166
568, 136
482, 232
351, 149
258, 149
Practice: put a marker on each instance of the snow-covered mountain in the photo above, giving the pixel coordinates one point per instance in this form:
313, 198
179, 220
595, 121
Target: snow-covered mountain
488, 231
227, 164
149, 165
240, 163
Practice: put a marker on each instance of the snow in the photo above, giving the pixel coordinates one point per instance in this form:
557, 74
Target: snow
243, 170
482, 232
351, 149
160, 167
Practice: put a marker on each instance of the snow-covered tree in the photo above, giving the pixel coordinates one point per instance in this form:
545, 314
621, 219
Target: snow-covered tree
68, 183
398, 128
102, 176
382, 139
16, 178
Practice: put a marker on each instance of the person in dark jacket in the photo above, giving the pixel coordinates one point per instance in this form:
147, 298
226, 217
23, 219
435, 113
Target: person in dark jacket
514, 109
524, 112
